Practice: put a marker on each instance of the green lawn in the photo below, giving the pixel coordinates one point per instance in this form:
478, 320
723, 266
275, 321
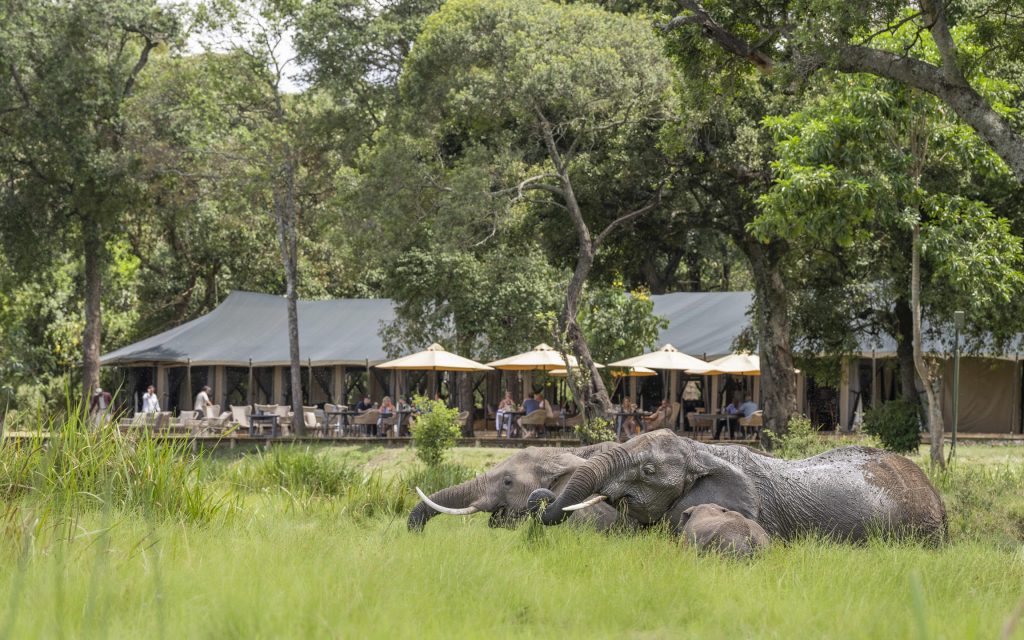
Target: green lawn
334, 561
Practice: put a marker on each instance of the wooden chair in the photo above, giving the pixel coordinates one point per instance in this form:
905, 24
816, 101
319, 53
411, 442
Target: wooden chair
753, 424
240, 415
365, 420
532, 423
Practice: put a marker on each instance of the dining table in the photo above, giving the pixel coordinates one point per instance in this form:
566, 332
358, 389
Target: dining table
343, 415
270, 418
509, 418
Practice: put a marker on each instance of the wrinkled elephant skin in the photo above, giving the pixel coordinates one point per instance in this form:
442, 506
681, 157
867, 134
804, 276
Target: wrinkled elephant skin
847, 493
504, 489
712, 527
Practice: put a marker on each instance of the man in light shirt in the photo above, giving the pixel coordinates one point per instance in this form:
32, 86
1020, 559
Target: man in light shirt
150, 403
748, 407
202, 400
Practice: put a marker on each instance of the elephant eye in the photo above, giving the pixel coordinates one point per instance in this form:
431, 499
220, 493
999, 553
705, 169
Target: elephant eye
508, 482
648, 469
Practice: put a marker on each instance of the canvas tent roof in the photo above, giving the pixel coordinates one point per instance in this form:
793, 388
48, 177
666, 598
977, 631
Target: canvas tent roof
255, 325
346, 331
703, 324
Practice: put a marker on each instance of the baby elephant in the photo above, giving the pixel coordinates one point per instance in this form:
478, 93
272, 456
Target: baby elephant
710, 526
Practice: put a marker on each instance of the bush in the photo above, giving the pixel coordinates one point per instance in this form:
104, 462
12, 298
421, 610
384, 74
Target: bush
897, 424
595, 431
802, 440
436, 430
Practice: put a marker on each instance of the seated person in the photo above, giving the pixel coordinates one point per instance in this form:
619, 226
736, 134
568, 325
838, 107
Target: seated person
737, 411
531, 406
660, 416
748, 407
629, 425
387, 409
364, 404
499, 416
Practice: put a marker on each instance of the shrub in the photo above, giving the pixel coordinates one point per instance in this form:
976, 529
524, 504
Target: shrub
897, 424
594, 431
436, 430
800, 440
803, 440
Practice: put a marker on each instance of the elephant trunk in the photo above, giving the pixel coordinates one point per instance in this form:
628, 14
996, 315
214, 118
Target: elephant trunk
459, 496
583, 483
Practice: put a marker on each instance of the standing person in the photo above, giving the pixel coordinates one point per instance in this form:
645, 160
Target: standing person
150, 402
99, 405
202, 401
506, 403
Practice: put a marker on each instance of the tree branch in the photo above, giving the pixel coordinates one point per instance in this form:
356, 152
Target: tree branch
725, 39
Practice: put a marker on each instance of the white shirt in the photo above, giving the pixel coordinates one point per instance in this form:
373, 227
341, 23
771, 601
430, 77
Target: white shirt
201, 401
150, 403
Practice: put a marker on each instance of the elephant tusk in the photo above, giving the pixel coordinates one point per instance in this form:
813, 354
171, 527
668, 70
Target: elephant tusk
586, 503
452, 512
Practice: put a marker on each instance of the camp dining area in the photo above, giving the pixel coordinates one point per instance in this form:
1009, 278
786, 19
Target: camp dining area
239, 351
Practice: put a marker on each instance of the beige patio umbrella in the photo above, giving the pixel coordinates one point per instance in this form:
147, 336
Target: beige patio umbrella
541, 358
737, 364
667, 358
631, 372
435, 358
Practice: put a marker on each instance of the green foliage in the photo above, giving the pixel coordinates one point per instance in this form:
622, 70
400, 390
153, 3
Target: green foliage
296, 469
897, 424
435, 431
594, 431
74, 467
802, 440
619, 324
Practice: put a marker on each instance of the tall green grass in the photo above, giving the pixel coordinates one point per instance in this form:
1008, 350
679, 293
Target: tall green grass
314, 575
71, 466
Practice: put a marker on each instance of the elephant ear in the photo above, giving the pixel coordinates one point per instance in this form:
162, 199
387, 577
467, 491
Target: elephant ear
723, 483
560, 467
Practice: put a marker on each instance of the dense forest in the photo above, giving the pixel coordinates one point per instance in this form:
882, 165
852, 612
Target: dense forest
509, 170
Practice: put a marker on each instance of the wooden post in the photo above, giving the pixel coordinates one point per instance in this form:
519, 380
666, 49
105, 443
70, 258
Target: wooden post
844, 394
309, 382
336, 384
714, 395
278, 387
874, 381
188, 385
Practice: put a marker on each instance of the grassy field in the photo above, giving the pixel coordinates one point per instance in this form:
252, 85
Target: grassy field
312, 543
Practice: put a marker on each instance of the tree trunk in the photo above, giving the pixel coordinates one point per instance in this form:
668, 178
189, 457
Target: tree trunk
778, 377
466, 401
905, 351
287, 231
929, 374
92, 242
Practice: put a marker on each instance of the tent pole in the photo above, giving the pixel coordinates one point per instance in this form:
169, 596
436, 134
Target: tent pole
309, 382
188, 384
248, 388
874, 381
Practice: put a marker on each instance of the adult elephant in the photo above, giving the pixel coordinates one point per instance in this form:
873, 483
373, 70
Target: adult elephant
504, 490
847, 493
